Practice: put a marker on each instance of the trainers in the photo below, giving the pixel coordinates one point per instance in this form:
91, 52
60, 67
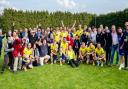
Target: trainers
102, 64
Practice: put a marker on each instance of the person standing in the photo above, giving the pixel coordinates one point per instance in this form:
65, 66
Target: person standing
108, 44
121, 50
126, 45
1, 38
16, 51
114, 45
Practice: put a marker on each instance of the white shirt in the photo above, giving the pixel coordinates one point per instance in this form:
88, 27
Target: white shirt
114, 38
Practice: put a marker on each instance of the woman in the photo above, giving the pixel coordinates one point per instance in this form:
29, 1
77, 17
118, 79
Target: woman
121, 50
71, 57
27, 57
16, 51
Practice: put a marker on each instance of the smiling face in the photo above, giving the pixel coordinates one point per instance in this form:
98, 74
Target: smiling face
29, 46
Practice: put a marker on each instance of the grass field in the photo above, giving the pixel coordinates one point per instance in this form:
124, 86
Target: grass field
65, 77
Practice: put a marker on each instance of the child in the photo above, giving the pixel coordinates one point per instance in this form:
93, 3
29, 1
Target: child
63, 49
27, 61
54, 50
71, 57
100, 55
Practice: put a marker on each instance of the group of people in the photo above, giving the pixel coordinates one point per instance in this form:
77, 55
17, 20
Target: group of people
26, 48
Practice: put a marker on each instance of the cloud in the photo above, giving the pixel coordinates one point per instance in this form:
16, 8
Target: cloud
6, 4
67, 3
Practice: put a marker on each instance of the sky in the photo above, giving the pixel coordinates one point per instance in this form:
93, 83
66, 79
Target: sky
90, 6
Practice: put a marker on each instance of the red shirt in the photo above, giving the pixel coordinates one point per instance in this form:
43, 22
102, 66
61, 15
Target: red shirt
70, 41
17, 47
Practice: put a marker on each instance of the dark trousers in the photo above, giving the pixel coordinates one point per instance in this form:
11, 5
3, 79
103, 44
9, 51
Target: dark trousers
73, 63
108, 54
11, 60
6, 58
0, 49
126, 58
76, 52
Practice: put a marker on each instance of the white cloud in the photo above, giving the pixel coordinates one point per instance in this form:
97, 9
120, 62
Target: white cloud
67, 3
6, 4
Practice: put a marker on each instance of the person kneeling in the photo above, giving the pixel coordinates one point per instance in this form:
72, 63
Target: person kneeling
71, 57
100, 55
27, 60
83, 53
54, 50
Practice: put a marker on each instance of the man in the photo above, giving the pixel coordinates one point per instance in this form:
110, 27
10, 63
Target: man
100, 37
84, 37
1, 38
126, 45
83, 52
108, 44
76, 46
114, 45
100, 55
7, 50
43, 53
33, 37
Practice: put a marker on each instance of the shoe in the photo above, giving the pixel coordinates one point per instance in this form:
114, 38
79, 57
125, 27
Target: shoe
93, 64
102, 64
120, 68
98, 63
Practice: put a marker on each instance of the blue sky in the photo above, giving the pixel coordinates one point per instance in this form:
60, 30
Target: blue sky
91, 6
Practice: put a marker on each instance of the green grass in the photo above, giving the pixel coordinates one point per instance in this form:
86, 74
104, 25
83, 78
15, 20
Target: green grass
65, 77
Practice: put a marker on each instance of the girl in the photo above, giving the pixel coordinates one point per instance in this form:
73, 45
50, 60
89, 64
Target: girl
16, 51
27, 60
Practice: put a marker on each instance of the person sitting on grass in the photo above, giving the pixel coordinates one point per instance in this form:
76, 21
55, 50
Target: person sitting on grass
100, 55
71, 57
43, 52
27, 60
82, 52
54, 50
63, 49
90, 53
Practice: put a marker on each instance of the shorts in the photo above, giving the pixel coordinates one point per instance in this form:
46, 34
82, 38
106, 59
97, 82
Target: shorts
55, 57
63, 56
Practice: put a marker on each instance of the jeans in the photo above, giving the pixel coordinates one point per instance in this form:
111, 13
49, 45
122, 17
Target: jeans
114, 49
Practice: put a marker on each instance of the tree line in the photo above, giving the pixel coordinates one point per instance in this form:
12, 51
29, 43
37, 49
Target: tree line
30, 19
